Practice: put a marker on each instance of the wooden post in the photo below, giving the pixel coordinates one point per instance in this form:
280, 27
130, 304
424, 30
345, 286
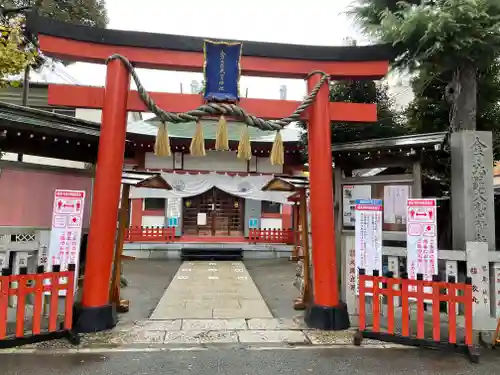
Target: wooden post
122, 306
295, 233
305, 299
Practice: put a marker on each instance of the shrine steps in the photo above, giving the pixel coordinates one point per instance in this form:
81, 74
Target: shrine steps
194, 253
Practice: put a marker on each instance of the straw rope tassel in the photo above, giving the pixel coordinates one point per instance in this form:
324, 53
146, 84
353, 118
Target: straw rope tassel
222, 139
162, 142
277, 152
245, 147
197, 147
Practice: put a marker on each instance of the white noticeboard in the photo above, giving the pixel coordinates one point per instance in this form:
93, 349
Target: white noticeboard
368, 232
201, 218
66, 233
395, 198
349, 195
174, 205
421, 229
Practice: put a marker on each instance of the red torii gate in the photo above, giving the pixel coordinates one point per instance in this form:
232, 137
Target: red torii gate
181, 53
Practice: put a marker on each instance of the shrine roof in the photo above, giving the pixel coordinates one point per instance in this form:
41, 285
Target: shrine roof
42, 133
51, 27
20, 117
145, 180
414, 141
186, 130
287, 183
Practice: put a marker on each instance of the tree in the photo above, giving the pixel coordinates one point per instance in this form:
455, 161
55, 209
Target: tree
80, 12
17, 53
389, 120
388, 123
453, 39
442, 45
429, 111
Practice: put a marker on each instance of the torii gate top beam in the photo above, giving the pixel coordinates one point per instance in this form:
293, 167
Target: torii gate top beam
184, 53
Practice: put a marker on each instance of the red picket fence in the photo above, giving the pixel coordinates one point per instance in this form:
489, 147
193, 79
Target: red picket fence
150, 234
376, 286
285, 236
42, 328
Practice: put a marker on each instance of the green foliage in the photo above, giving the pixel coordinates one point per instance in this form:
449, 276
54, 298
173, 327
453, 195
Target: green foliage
429, 111
389, 123
15, 54
441, 33
450, 45
80, 12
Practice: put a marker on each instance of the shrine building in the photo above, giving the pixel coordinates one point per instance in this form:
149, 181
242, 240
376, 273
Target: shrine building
216, 198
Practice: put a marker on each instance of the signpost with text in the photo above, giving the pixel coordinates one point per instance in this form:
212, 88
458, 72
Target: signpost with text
421, 237
66, 232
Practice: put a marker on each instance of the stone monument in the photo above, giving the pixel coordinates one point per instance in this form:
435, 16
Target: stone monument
473, 214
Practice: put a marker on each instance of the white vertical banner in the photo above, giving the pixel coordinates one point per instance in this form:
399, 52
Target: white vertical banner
421, 235
368, 231
66, 232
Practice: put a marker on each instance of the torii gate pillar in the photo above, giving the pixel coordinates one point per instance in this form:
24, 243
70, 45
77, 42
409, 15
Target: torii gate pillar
96, 312
327, 312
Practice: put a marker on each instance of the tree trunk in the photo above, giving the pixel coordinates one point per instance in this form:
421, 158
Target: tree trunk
462, 95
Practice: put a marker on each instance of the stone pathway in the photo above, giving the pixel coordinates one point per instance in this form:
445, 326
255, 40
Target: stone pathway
218, 303
206, 290
231, 331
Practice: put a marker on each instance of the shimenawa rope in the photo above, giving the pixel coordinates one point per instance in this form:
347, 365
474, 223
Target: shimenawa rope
225, 109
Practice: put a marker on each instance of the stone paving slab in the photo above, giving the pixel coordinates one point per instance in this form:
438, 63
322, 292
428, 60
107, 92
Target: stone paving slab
242, 313
146, 337
161, 325
235, 331
275, 324
317, 337
201, 337
204, 290
259, 337
214, 324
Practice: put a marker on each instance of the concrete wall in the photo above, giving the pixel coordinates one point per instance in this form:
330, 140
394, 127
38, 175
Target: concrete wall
27, 195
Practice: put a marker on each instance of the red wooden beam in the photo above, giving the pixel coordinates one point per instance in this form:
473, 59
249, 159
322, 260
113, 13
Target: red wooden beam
74, 50
93, 97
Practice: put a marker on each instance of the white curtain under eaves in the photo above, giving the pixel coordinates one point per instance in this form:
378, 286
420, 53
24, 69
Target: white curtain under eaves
187, 185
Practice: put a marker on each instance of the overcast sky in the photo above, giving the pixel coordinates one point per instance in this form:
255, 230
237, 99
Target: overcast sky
313, 22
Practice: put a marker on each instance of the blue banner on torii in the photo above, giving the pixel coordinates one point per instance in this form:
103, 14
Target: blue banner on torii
222, 71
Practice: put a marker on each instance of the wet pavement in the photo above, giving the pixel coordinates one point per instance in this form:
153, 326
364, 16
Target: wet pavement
251, 361
274, 279
147, 282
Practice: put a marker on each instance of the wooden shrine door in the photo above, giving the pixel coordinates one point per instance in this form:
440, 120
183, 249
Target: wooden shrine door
213, 213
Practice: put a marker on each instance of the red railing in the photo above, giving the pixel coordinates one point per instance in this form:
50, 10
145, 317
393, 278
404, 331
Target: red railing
43, 286
150, 234
420, 292
285, 236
